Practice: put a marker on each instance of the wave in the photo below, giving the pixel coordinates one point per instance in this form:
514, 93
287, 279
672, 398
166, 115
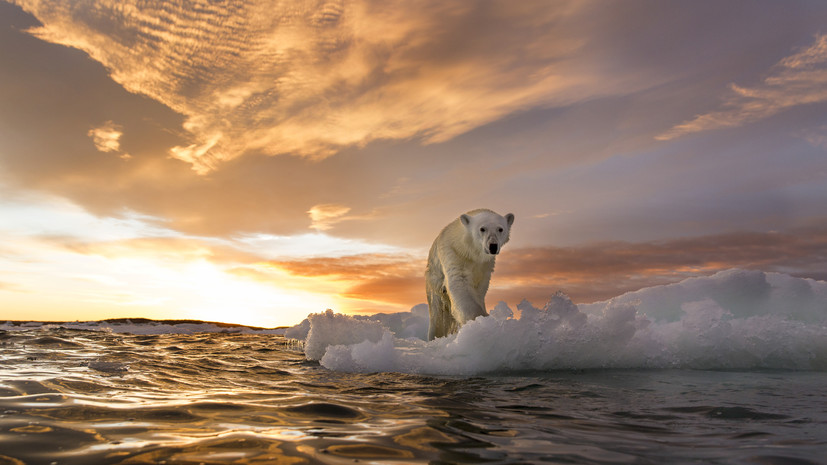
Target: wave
142, 326
735, 319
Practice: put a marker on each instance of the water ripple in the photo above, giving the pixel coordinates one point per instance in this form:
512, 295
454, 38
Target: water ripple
79, 397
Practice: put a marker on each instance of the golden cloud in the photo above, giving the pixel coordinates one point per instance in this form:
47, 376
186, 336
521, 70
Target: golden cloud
323, 216
107, 137
308, 78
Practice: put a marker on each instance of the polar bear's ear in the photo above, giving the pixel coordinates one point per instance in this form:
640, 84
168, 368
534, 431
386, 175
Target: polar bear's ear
509, 218
465, 219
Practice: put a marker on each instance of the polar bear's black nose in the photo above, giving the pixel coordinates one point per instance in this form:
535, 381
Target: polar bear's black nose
493, 248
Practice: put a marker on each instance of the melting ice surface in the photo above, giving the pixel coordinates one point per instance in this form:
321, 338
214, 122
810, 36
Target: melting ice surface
735, 319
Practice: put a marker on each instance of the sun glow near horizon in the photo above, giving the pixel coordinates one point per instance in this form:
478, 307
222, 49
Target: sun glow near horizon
114, 287
78, 266
207, 292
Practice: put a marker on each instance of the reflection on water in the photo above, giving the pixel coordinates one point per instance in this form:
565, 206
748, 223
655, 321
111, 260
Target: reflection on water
80, 397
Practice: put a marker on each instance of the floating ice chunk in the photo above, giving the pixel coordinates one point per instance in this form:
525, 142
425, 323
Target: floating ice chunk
412, 324
328, 329
364, 356
732, 320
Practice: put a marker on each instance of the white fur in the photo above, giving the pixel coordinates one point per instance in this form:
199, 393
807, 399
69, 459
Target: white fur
459, 269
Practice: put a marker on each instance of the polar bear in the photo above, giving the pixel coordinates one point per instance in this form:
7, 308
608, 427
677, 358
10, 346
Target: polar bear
459, 268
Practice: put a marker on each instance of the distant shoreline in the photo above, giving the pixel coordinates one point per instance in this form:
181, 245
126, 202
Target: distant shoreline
124, 324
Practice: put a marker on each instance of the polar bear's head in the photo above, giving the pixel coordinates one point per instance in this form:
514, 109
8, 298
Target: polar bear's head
488, 230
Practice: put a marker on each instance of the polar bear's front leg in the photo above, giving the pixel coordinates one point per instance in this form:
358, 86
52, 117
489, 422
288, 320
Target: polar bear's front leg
465, 303
439, 308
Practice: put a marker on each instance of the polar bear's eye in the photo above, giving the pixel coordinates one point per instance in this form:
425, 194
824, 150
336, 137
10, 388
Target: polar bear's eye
482, 229
500, 230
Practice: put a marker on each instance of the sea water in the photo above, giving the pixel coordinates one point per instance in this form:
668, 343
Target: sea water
728, 369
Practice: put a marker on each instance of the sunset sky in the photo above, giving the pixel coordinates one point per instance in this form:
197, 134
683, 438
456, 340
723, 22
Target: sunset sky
255, 161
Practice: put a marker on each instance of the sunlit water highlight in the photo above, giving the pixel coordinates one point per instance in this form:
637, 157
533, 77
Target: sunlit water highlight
81, 397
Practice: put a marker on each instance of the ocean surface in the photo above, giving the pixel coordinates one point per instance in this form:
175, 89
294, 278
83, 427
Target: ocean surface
724, 369
71, 396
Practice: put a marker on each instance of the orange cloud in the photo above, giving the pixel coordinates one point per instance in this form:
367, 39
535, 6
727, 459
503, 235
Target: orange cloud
376, 280
587, 273
601, 271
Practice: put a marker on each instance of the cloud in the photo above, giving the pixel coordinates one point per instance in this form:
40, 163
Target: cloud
799, 79
587, 273
107, 137
199, 155
817, 137
459, 56
323, 216
311, 78
603, 270
376, 280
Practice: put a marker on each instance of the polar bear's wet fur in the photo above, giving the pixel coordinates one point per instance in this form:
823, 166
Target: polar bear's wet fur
459, 269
